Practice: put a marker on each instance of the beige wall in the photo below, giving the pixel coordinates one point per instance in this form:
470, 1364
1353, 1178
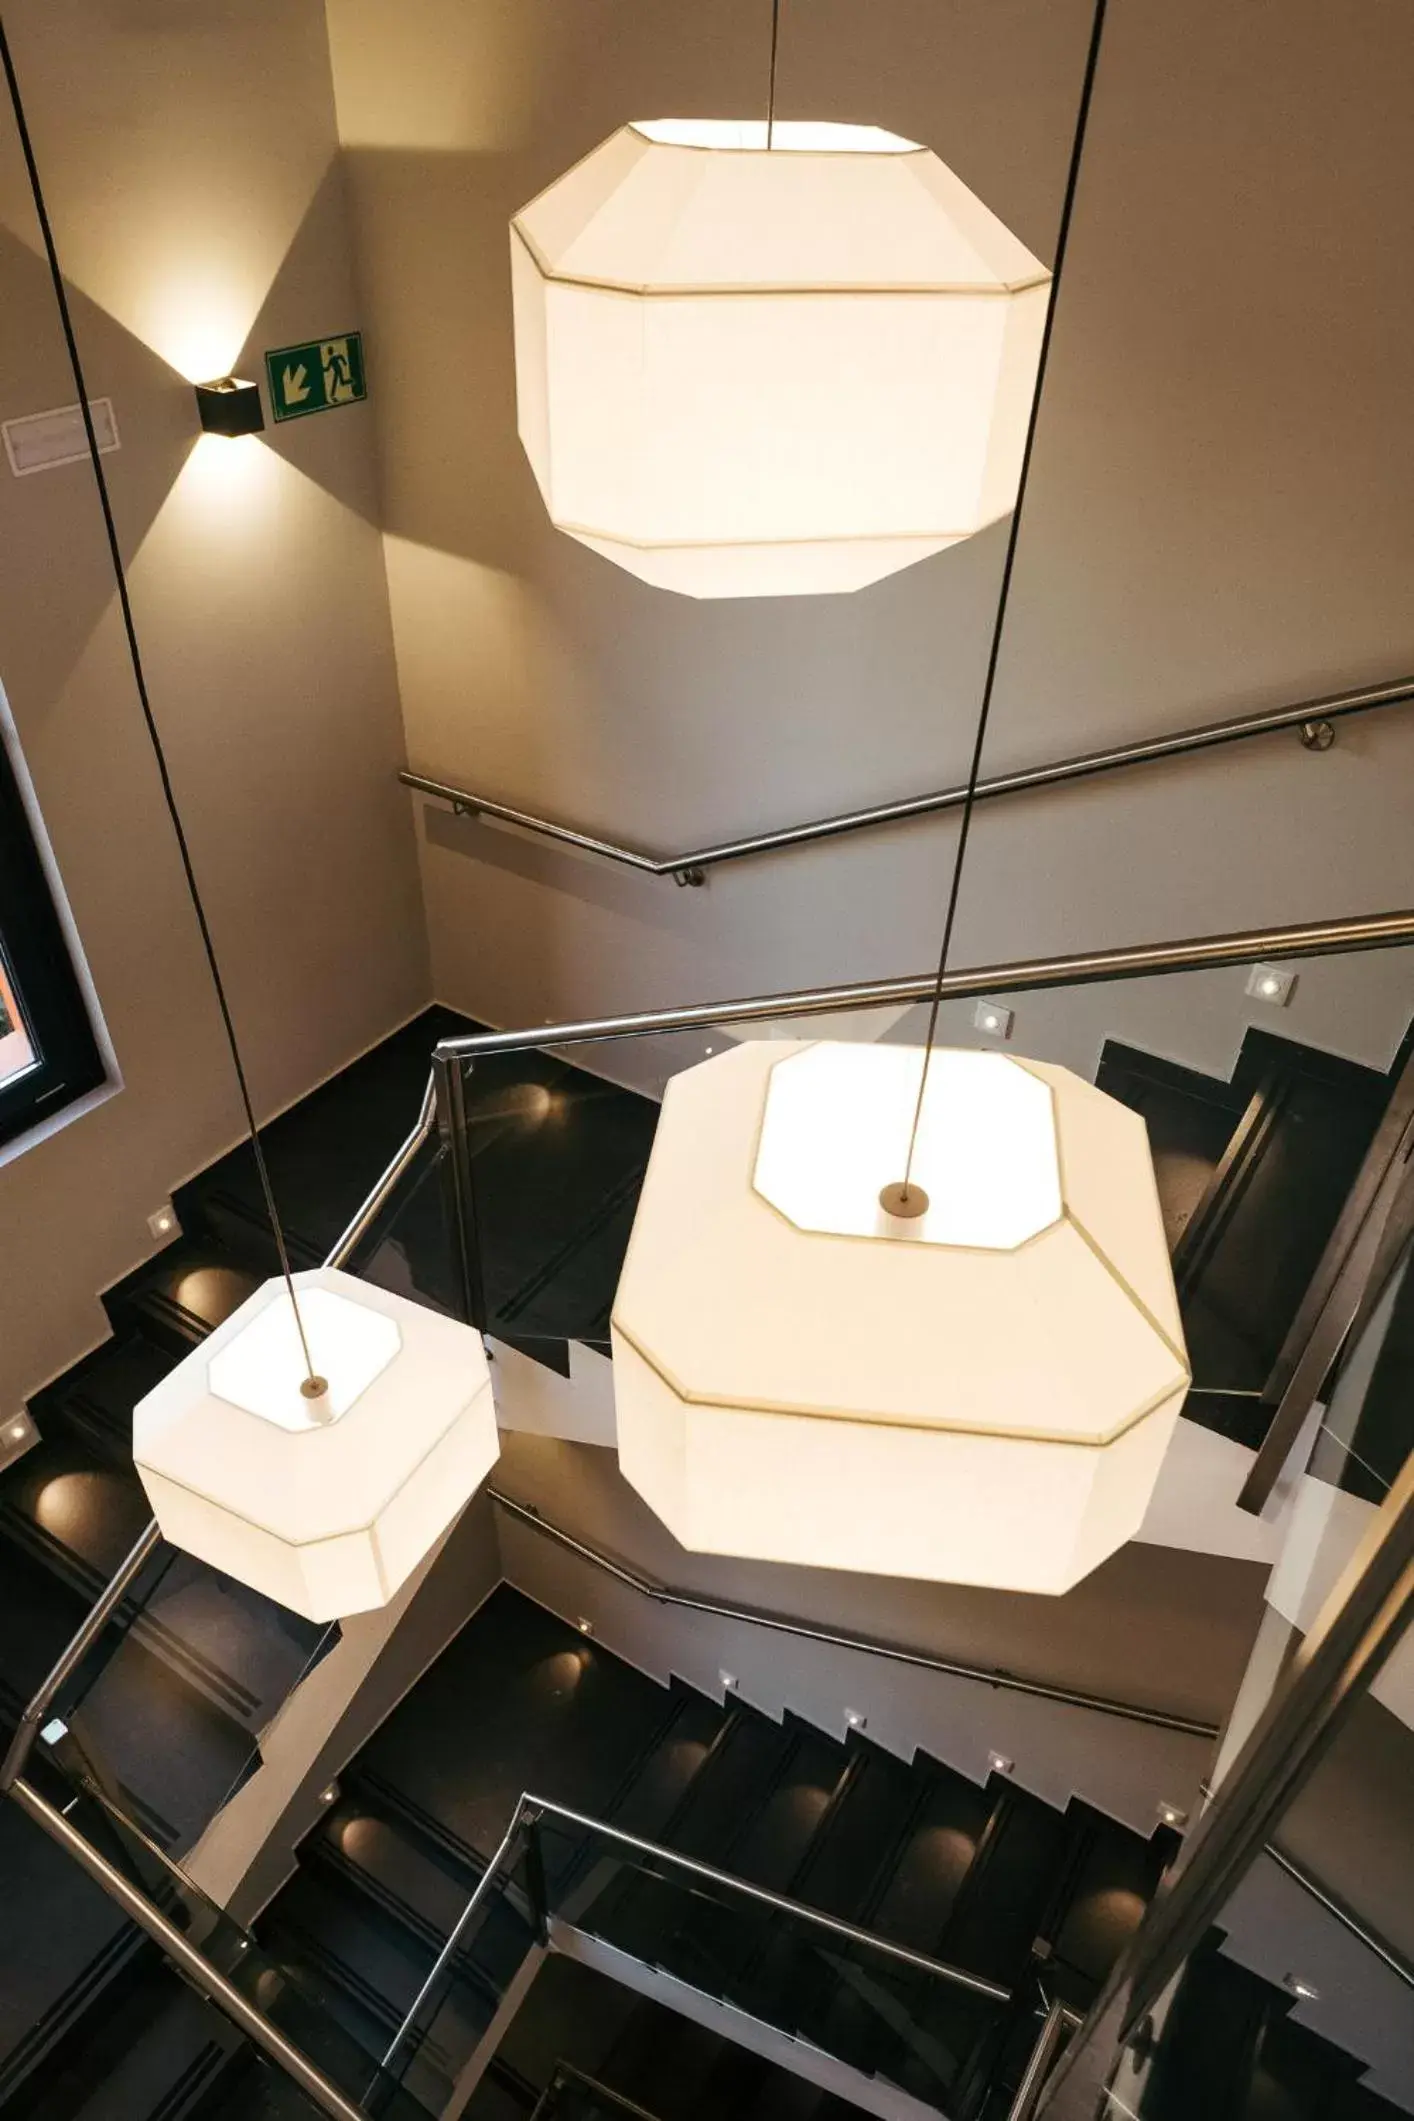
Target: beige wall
1155, 1626
1222, 514
190, 160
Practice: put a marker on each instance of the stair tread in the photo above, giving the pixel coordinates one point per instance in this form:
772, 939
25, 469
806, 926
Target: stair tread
74, 1503
553, 1714
174, 1754
96, 1397
53, 1961
153, 2047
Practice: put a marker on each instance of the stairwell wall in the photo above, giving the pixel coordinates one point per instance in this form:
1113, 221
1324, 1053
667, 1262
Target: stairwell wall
190, 160
1154, 1626
1221, 518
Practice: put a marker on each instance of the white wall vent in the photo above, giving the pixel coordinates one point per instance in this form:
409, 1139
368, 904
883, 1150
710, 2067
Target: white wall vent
41, 440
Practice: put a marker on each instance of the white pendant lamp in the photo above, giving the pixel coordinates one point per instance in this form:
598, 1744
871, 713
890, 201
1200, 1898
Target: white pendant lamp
979, 1393
771, 361
325, 1501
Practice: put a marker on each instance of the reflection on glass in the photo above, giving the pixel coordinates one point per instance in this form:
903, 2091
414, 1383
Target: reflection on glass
16, 1047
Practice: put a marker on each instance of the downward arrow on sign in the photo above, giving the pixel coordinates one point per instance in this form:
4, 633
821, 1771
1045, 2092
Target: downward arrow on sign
293, 385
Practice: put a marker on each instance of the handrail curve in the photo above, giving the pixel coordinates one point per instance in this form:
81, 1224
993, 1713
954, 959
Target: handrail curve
781, 1624
1313, 718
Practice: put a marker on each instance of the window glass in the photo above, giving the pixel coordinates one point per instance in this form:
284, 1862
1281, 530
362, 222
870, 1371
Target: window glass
48, 1053
16, 1045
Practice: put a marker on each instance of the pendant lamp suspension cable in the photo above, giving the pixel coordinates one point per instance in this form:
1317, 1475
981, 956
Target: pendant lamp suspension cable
905, 1198
771, 84
314, 1387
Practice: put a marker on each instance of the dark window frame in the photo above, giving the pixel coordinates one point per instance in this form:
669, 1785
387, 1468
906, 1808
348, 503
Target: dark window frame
54, 1011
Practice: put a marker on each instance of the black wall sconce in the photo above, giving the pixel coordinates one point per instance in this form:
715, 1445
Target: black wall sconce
230, 407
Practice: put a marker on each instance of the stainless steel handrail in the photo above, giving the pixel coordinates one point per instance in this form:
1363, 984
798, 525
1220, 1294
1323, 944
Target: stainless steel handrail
1367, 931
688, 867
385, 1187
1005, 1682
922, 1962
203, 1975
531, 1810
1340, 1913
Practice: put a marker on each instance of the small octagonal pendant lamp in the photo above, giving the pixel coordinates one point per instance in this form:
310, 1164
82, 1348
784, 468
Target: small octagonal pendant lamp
762, 359
324, 1500
980, 1393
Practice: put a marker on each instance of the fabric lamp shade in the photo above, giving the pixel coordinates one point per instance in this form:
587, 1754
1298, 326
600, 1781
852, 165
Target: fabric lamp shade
982, 1394
330, 1515
753, 372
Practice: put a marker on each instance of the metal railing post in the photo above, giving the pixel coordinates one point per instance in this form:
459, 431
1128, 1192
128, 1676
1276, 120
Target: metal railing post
463, 1923
449, 1082
1042, 2059
535, 1873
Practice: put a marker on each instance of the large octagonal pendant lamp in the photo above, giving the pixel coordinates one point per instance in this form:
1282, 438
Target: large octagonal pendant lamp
897, 1309
980, 1392
771, 359
326, 1499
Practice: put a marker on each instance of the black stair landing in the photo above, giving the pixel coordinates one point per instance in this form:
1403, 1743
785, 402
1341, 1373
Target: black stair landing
150, 2049
1252, 1175
324, 1154
61, 1941
516, 1701
640, 2054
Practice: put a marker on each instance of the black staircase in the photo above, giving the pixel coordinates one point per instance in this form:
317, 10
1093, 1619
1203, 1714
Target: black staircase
1252, 1174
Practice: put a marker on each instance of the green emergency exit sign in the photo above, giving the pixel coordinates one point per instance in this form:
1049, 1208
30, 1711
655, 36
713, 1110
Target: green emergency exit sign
316, 377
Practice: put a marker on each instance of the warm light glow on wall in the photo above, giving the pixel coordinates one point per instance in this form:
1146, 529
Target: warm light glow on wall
199, 326
983, 1394
228, 486
744, 372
